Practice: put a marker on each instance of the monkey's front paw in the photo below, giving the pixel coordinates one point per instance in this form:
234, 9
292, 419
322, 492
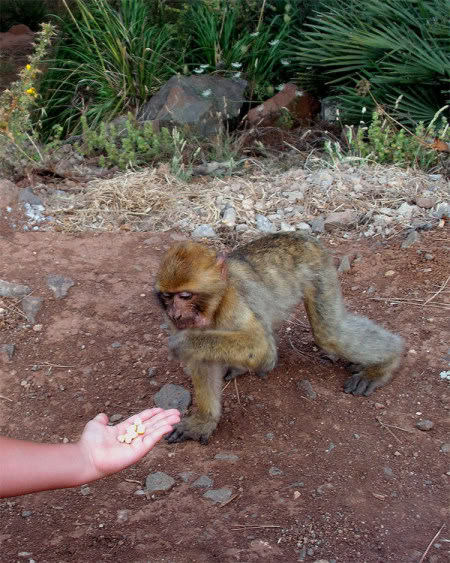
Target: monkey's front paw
359, 384
192, 429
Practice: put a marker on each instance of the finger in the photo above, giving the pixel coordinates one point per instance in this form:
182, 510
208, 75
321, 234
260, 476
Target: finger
155, 435
102, 418
166, 417
144, 415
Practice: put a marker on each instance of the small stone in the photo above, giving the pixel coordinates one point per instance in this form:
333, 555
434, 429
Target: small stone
389, 273
406, 211
60, 285
388, 472
31, 306
241, 228
7, 350
204, 231
330, 448
218, 496
122, 515
305, 387
26, 195
38, 328
26, 513
186, 476
203, 482
425, 202
14, 290
356, 436
428, 256
159, 481
286, 228
274, 471
151, 372
340, 219
172, 396
116, 418
302, 226
322, 488
226, 457
379, 406
264, 225
318, 225
424, 425
445, 448
116, 345
85, 490
412, 238
270, 435
442, 210
229, 217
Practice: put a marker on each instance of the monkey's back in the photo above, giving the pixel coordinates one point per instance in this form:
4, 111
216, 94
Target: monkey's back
272, 272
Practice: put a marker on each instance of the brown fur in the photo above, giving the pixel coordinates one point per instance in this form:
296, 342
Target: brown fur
223, 315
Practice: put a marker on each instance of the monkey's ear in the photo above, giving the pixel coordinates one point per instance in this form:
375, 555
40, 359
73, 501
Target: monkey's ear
222, 264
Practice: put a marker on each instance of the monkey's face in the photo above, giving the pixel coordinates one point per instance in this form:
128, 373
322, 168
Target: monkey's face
184, 309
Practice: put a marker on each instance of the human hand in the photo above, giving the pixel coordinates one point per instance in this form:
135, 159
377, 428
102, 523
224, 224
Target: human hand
105, 455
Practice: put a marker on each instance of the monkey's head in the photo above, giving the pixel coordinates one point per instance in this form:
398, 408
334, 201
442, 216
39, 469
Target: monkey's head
190, 284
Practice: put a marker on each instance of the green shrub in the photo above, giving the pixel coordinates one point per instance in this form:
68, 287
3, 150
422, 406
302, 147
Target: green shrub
110, 59
400, 47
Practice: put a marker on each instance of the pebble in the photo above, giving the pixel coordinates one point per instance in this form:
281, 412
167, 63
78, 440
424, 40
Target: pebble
203, 482
60, 285
159, 481
445, 448
340, 219
8, 350
305, 387
302, 226
229, 217
424, 425
14, 290
405, 210
270, 436
31, 306
318, 225
122, 515
38, 328
151, 372
286, 228
204, 231
425, 202
226, 457
322, 488
411, 239
389, 273
172, 396
264, 225
428, 256
186, 476
274, 471
116, 345
218, 496
26, 513
85, 490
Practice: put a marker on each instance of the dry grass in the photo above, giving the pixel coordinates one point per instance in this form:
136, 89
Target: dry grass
154, 200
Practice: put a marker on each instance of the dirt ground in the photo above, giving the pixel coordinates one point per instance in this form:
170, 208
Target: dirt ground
335, 478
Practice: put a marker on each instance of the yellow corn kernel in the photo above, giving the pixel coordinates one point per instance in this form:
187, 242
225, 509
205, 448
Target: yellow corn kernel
140, 429
128, 439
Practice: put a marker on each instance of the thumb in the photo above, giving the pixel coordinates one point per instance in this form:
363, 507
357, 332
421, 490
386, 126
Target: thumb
102, 418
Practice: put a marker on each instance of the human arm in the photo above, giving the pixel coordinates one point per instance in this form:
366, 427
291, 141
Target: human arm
28, 467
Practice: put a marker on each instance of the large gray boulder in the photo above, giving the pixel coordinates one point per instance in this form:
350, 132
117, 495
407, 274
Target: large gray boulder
201, 103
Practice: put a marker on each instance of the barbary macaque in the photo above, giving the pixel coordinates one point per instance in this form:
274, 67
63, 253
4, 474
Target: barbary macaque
223, 312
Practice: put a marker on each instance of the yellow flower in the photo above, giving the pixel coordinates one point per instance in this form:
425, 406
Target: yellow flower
31, 92
28, 67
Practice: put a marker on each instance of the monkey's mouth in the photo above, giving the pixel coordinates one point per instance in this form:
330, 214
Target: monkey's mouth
196, 320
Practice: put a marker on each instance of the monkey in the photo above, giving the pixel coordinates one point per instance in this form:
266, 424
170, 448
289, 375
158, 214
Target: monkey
223, 312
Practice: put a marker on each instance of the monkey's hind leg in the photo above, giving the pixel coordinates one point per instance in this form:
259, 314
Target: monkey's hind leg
208, 381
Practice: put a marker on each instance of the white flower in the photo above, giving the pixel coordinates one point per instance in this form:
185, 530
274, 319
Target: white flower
284, 62
299, 93
255, 34
198, 70
237, 74
274, 42
206, 93
236, 65
280, 87
204, 66
364, 109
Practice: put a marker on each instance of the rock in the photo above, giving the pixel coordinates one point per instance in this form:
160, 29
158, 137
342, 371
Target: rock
116, 345
31, 306
295, 196
38, 328
412, 238
229, 217
302, 226
204, 231
264, 225
115, 418
122, 515
305, 387
286, 228
7, 351
322, 178
274, 471
340, 219
151, 372
85, 490
242, 228
159, 481
172, 396
425, 202
9, 193
14, 290
318, 225
406, 211
445, 448
218, 496
198, 102
203, 482
345, 265
186, 476
300, 105
388, 472
26, 195
322, 488
226, 457
26, 513
442, 210
424, 425
60, 285
270, 435
428, 256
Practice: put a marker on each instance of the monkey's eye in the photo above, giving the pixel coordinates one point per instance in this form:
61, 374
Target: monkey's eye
185, 295
167, 295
